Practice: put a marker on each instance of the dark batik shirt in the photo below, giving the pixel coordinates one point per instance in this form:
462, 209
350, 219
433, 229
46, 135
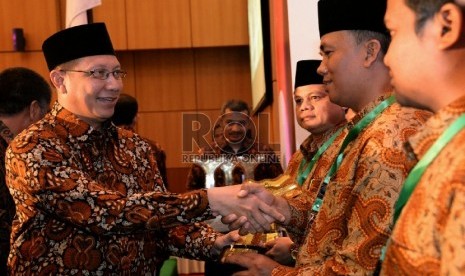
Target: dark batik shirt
93, 202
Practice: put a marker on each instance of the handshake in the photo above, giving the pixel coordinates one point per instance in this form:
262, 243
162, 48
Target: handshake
249, 207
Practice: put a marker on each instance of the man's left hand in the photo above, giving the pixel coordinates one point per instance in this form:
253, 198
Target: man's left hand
225, 240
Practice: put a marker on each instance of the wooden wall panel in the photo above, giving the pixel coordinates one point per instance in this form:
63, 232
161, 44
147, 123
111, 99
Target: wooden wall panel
166, 129
165, 80
113, 13
158, 24
38, 18
222, 74
126, 60
219, 22
32, 60
208, 118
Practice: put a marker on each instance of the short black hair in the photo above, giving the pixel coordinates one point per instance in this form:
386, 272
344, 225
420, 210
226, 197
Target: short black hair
19, 87
363, 35
424, 10
235, 105
125, 110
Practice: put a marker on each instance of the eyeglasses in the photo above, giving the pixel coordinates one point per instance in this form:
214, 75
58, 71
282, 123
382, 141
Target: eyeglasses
101, 74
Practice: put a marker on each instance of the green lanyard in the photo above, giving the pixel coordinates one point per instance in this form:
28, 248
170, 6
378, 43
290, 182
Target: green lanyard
417, 172
355, 131
304, 174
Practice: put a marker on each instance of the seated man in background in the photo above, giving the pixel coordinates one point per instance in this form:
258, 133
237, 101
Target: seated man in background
24, 98
232, 137
125, 116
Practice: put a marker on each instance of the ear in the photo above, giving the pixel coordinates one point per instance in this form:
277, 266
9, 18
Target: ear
57, 79
450, 20
35, 112
372, 50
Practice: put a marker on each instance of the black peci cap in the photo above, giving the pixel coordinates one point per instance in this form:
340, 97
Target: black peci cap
77, 42
306, 74
338, 15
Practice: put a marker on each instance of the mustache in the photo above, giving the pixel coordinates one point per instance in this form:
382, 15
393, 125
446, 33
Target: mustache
236, 132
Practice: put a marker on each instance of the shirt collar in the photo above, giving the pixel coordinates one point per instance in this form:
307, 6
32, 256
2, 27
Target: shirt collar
367, 109
78, 127
435, 126
310, 146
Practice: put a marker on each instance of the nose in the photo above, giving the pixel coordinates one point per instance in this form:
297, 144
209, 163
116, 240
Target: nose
236, 127
113, 83
387, 58
322, 69
306, 104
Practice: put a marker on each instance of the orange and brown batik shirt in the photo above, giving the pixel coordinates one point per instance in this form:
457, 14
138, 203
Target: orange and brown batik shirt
429, 236
93, 202
300, 203
355, 218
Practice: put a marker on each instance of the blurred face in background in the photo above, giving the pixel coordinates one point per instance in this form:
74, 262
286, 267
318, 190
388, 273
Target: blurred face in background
235, 125
21, 120
314, 110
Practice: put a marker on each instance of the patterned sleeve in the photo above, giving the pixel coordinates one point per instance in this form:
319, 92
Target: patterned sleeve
193, 241
41, 173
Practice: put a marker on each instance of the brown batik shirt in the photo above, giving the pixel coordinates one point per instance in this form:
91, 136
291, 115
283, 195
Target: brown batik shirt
429, 236
93, 202
301, 201
355, 218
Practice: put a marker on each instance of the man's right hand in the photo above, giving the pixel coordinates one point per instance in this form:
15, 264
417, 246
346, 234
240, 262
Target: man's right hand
251, 210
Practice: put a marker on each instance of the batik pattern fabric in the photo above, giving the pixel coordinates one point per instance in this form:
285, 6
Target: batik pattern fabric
92, 202
429, 236
160, 155
355, 218
300, 203
7, 205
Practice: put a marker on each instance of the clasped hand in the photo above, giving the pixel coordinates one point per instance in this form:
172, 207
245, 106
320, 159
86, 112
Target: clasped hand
247, 207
